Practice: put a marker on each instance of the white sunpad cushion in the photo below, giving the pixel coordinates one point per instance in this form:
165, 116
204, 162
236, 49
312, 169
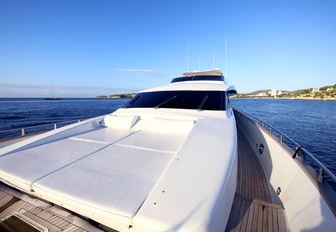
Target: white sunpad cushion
116, 180
24, 167
154, 140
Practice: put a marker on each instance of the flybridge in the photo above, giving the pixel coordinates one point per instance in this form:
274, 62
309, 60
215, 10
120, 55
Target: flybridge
211, 75
215, 72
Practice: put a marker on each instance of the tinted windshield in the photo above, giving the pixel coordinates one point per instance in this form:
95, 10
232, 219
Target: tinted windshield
199, 100
198, 78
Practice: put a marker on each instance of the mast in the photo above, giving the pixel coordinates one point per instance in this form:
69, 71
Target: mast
226, 59
49, 90
198, 61
188, 64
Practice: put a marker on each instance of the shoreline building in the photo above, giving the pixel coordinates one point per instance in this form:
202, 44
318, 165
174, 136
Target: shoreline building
272, 92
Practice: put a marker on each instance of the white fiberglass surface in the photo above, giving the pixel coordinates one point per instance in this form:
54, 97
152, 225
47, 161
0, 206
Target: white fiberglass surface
191, 85
200, 181
28, 165
116, 179
103, 135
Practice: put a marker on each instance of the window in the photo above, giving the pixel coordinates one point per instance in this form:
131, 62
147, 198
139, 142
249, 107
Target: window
198, 100
198, 78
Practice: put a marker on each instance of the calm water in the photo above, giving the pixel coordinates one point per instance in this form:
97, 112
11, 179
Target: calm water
18, 113
311, 123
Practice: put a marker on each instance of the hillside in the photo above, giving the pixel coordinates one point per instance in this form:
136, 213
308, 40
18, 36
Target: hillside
322, 93
120, 95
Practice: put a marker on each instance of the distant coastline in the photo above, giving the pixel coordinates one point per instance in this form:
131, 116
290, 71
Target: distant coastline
287, 98
117, 96
322, 93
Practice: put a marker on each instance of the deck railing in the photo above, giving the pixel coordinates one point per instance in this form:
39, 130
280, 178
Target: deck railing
297, 150
27, 131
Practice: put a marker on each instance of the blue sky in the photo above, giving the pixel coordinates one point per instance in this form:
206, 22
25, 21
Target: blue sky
86, 48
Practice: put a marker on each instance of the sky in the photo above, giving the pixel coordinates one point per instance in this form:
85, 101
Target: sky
87, 48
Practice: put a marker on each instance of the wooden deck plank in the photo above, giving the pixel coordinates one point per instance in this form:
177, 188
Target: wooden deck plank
260, 218
9, 203
249, 169
264, 222
250, 217
269, 219
253, 209
281, 220
275, 220
255, 218
245, 216
240, 216
234, 214
41, 215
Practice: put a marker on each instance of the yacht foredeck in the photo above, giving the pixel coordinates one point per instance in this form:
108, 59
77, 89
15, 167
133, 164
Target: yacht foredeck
253, 208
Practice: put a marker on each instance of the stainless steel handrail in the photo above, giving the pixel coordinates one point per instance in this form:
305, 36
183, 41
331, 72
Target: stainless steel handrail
322, 168
45, 126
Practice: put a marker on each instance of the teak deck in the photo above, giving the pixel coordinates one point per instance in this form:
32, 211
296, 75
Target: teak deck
45, 216
253, 209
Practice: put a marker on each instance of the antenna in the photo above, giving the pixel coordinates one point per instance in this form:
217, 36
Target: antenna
213, 61
226, 59
49, 91
199, 66
188, 66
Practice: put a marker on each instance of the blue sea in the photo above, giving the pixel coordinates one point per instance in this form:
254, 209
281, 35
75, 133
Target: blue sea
311, 123
24, 112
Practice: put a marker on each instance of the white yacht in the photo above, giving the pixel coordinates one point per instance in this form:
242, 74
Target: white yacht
174, 158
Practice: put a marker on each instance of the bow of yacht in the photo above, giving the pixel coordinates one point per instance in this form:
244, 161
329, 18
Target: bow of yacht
169, 160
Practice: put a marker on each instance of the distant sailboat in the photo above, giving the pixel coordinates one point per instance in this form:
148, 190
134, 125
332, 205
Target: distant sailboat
50, 96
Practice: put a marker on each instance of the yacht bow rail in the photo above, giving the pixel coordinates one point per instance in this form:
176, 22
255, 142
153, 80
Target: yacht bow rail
32, 130
298, 151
